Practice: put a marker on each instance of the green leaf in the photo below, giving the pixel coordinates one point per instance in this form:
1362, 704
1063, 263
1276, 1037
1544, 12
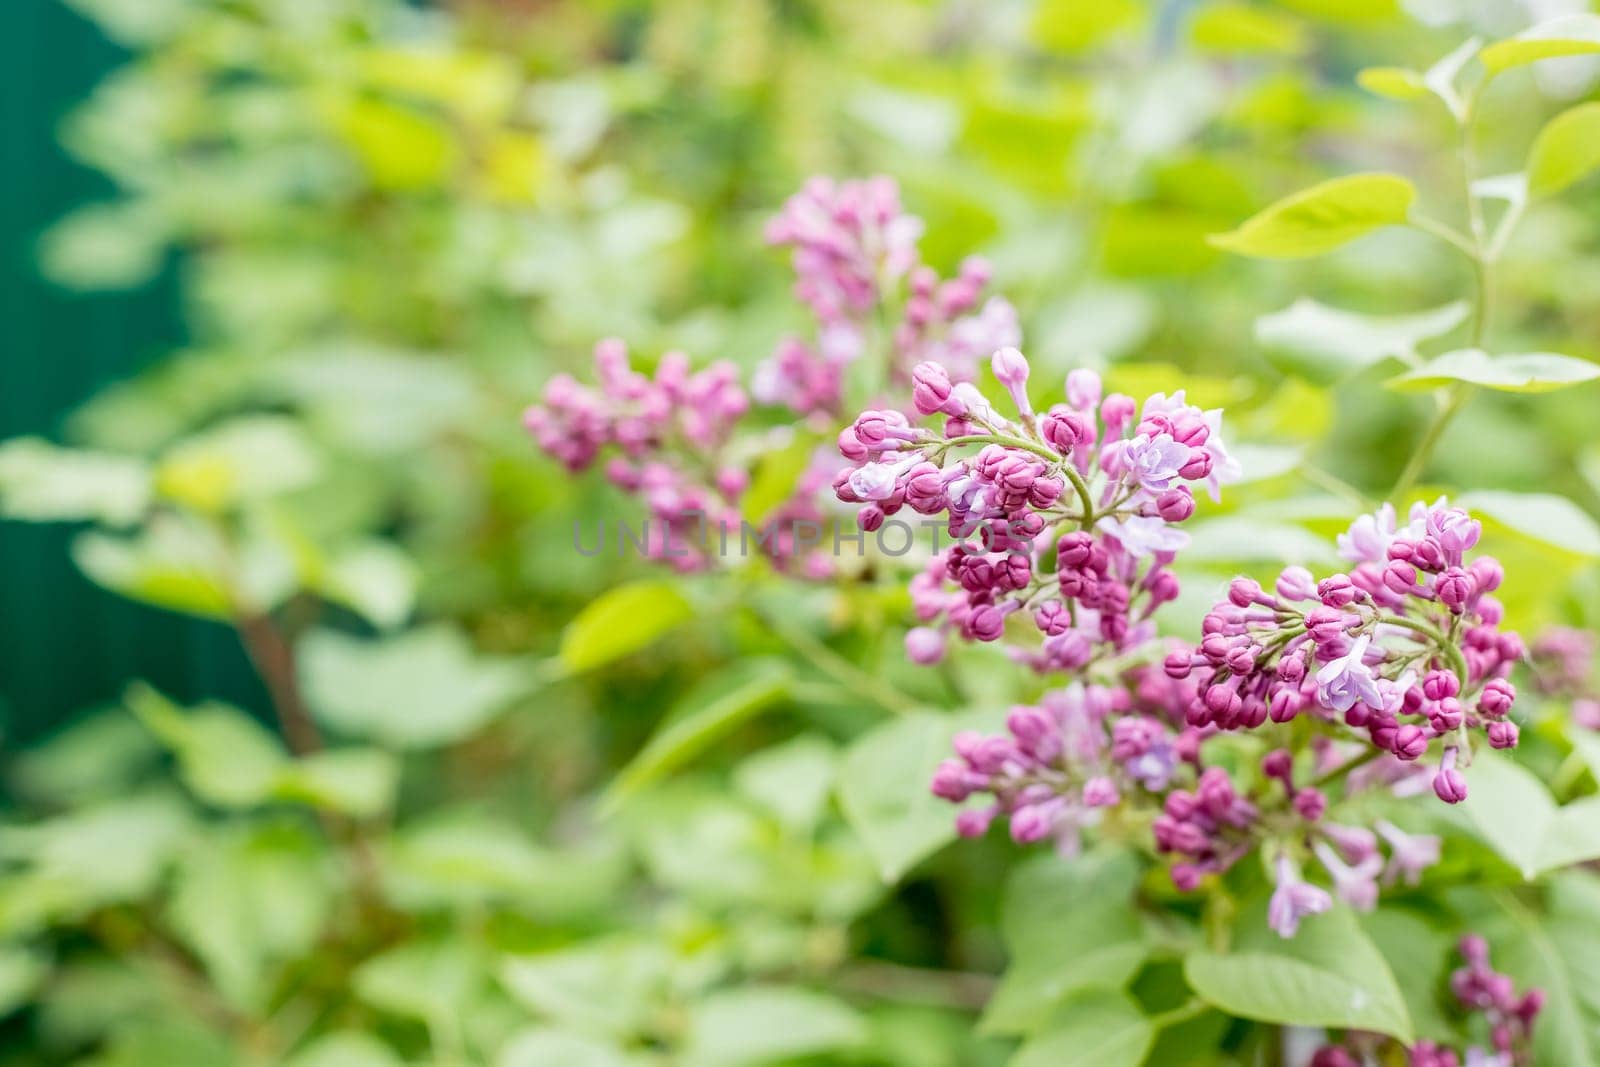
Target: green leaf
775, 478
1322, 218
612, 987
466, 859
244, 902
420, 689
712, 709
376, 579
1330, 974
1528, 372
110, 852
883, 788
1101, 1030
1517, 817
22, 971
104, 246
1396, 83
757, 1025
169, 564
359, 782
248, 458
346, 1048
1566, 151
1235, 539
1325, 344
791, 780
432, 981
1230, 27
1421, 957
544, 1046
1569, 35
621, 621
1069, 926
42, 483
224, 756
1543, 517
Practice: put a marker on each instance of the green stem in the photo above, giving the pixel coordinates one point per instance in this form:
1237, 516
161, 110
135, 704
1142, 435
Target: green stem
1449, 405
840, 669
1082, 487
1181, 1014
1444, 645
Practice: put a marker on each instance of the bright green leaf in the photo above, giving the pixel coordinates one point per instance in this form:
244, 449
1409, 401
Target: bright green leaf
544, 1046
374, 578
1329, 974
1543, 517
1069, 926
346, 1048
22, 971
1566, 151
713, 708
883, 788
1517, 817
611, 987
1322, 218
1101, 1030
359, 782
756, 1025
432, 981
224, 756
1529, 372
622, 621
247, 458
1245, 28
42, 483
419, 689
1324, 343
1569, 35
792, 780
1396, 83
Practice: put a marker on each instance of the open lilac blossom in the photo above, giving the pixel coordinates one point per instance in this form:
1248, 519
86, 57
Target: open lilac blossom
1293, 899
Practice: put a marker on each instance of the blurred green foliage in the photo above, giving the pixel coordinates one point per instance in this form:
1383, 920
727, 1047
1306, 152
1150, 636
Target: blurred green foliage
489, 836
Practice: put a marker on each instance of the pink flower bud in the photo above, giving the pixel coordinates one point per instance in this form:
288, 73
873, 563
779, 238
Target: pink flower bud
1244, 592
1400, 577
1175, 504
1497, 697
1065, 430
1100, 792
1502, 734
931, 390
1337, 591
1296, 583
1440, 684
1310, 804
1409, 742
1454, 588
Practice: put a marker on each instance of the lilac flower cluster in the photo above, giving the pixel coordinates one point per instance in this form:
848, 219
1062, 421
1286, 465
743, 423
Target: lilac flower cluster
1068, 517
857, 268
1080, 750
1405, 647
1479, 990
650, 424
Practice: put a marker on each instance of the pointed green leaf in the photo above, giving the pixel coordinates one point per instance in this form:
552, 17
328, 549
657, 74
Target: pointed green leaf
1396, 83
1543, 517
1528, 372
1325, 343
883, 787
1570, 35
766, 1024
1329, 974
42, 483
622, 621
1566, 151
712, 709
1322, 218
1517, 817
1100, 1030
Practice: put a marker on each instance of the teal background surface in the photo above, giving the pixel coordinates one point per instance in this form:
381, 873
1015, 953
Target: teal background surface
64, 644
